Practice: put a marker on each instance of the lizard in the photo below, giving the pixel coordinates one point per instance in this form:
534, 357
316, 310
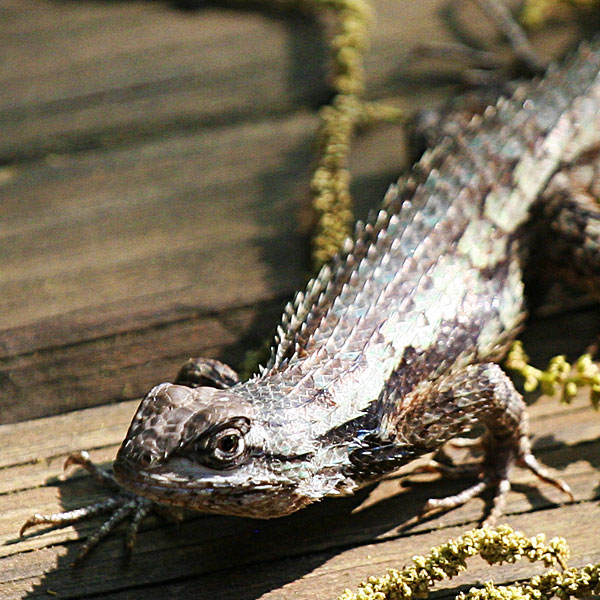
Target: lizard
393, 349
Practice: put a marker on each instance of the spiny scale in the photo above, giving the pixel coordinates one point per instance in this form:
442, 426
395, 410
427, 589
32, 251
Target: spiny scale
475, 166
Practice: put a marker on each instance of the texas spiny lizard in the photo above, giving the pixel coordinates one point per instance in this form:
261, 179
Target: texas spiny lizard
391, 351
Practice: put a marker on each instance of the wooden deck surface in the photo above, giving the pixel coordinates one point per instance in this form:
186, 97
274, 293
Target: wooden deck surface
154, 166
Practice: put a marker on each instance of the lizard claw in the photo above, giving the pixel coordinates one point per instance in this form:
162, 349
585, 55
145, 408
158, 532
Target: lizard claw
449, 502
529, 461
82, 459
498, 480
123, 505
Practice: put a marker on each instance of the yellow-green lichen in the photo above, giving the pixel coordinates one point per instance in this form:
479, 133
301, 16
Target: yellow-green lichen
536, 12
330, 185
571, 583
495, 546
559, 375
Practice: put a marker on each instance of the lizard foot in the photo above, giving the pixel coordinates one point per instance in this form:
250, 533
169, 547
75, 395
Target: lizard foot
494, 474
479, 394
122, 505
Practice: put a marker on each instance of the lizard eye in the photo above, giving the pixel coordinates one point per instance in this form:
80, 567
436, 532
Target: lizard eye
227, 445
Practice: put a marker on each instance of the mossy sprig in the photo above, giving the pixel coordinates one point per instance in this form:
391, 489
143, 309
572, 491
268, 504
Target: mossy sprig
495, 546
560, 375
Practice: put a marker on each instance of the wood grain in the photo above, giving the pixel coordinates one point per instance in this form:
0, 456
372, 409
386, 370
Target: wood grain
314, 553
154, 168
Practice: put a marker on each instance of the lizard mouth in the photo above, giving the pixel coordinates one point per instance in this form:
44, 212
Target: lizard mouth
199, 488
184, 476
176, 474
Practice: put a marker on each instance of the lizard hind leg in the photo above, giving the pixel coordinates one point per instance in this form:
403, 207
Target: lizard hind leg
477, 394
495, 472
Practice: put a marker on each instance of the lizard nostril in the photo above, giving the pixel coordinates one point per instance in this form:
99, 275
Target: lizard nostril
144, 458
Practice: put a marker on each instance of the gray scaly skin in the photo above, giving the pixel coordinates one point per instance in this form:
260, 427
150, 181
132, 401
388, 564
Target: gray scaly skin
390, 352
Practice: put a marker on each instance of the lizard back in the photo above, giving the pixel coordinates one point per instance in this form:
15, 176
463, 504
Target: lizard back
438, 270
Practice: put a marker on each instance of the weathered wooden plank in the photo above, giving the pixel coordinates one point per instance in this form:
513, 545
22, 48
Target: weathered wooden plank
106, 369
153, 240
205, 547
97, 76
164, 217
122, 366
100, 246
146, 220
319, 574
566, 439
325, 575
41, 439
100, 72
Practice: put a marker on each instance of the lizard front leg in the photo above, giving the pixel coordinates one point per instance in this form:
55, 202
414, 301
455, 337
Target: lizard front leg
126, 505
121, 506
198, 372
435, 412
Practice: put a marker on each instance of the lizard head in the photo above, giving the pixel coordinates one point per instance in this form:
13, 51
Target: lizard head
203, 449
